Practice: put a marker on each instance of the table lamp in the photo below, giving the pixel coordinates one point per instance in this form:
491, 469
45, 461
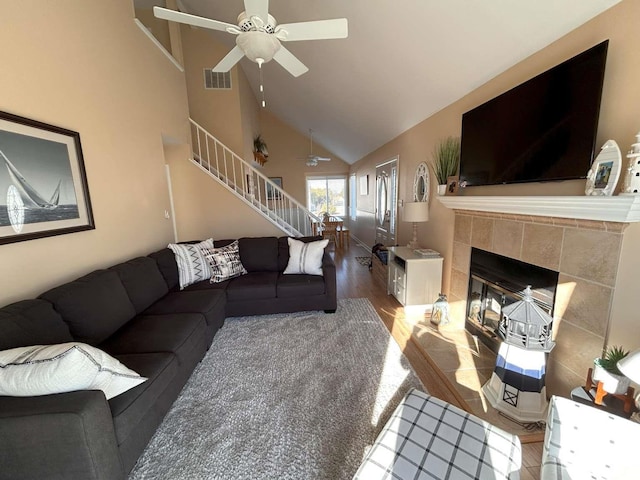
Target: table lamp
415, 212
629, 366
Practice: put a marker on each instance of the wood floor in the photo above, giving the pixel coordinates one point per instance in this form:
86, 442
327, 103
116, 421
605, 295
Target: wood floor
355, 281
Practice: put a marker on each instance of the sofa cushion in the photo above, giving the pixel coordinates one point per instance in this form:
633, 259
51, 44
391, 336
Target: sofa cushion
207, 285
259, 254
168, 267
283, 249
176, 333
31, 322
256, 285
129, 408
94, 306
66, 367
209, 303
143, 281
299, 286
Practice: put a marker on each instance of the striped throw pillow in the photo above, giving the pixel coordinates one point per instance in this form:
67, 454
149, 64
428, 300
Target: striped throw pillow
305, 257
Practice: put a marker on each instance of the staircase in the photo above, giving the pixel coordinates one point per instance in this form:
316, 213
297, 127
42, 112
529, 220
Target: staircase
249, 185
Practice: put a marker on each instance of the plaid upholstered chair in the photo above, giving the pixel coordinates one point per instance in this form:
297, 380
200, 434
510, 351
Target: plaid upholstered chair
583, 442
429, 438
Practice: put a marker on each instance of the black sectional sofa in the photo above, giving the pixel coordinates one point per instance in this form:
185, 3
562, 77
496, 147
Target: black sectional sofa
135, 312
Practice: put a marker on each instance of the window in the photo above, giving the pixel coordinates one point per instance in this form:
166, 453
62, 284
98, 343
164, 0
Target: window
327, 194
352, 197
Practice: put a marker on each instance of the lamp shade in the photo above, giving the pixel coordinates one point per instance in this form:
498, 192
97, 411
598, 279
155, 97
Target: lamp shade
630, 366
415, 212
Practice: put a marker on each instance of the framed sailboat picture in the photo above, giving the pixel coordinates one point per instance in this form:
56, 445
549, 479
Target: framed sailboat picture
43, 185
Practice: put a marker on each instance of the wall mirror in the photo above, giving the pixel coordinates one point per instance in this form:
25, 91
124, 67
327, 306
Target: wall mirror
421, 184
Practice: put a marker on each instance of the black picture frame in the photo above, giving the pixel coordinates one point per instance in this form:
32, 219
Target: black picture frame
272, 193
43, 183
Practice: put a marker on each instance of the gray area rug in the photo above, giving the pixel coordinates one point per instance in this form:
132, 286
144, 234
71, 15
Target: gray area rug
291, 396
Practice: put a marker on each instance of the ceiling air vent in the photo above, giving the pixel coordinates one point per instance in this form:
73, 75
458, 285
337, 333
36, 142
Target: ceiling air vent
216, 80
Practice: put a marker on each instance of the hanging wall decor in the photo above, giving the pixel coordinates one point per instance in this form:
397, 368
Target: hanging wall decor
43, 179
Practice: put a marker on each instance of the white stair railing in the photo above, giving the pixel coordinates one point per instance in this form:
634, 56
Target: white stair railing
248, 184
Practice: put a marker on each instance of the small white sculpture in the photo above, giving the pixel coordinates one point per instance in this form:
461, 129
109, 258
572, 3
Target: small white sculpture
632, 180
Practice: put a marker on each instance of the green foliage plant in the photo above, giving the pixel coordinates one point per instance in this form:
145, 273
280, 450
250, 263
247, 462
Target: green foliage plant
446, 158
609, 361
259, 145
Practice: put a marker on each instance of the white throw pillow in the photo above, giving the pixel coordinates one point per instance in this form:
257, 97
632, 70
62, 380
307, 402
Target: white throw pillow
225, 262
305, 257
48, 369
192, 266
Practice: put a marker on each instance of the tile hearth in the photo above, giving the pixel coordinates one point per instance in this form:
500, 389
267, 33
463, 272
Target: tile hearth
466, 363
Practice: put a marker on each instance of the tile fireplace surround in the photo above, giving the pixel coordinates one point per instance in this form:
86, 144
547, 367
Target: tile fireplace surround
584, 252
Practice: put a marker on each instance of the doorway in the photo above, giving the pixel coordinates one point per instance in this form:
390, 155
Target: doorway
386, 211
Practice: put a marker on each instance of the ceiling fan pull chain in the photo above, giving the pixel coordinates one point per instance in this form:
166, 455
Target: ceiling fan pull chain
260, 62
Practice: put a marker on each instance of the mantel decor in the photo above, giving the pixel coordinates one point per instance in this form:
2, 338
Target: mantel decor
603, 175
446, 159
43, 185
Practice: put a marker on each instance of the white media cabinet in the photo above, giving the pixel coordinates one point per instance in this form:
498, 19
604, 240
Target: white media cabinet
413, 279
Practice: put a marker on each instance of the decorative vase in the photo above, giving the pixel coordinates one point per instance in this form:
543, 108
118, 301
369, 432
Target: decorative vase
611, 382
442, 189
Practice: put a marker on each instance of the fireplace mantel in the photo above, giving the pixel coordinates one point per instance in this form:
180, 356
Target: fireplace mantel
621, 208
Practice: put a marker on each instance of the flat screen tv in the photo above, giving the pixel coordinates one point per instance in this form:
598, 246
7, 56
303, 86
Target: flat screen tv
541, 130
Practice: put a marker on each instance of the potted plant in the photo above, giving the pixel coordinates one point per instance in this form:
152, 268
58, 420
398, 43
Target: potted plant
606, 371
446, 158
260, 152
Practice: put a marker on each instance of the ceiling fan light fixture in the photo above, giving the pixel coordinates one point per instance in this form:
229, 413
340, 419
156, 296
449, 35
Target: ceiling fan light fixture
258, 45
246, 23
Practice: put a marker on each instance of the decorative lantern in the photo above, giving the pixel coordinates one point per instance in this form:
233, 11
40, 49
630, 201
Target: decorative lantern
517, 384
440, 310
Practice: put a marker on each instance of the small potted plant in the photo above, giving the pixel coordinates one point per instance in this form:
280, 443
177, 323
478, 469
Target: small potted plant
606, 371
260, 152
446, 158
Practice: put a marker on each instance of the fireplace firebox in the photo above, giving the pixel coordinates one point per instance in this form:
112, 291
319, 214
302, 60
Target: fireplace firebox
496, 281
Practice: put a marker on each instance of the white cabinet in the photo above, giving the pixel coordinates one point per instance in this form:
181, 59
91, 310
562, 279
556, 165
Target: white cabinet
413, 279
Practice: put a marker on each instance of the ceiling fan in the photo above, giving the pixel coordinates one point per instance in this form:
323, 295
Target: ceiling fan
312, 160
259, 35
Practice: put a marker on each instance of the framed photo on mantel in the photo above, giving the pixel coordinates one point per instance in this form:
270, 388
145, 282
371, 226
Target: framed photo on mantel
43, 185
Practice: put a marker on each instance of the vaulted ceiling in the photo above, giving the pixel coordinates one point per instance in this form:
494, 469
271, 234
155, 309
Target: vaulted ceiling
402, 61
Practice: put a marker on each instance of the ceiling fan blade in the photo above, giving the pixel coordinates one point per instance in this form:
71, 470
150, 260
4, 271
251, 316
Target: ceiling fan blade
323, 159
318, 30
229, 60
173, 16
289, 62
257, 8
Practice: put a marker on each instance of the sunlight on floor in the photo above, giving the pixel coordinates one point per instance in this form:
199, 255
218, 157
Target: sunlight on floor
390, 381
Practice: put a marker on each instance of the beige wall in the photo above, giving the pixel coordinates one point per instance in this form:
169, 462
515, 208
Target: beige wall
86, 66
619, 120
159, 28
288, 149
217, 111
